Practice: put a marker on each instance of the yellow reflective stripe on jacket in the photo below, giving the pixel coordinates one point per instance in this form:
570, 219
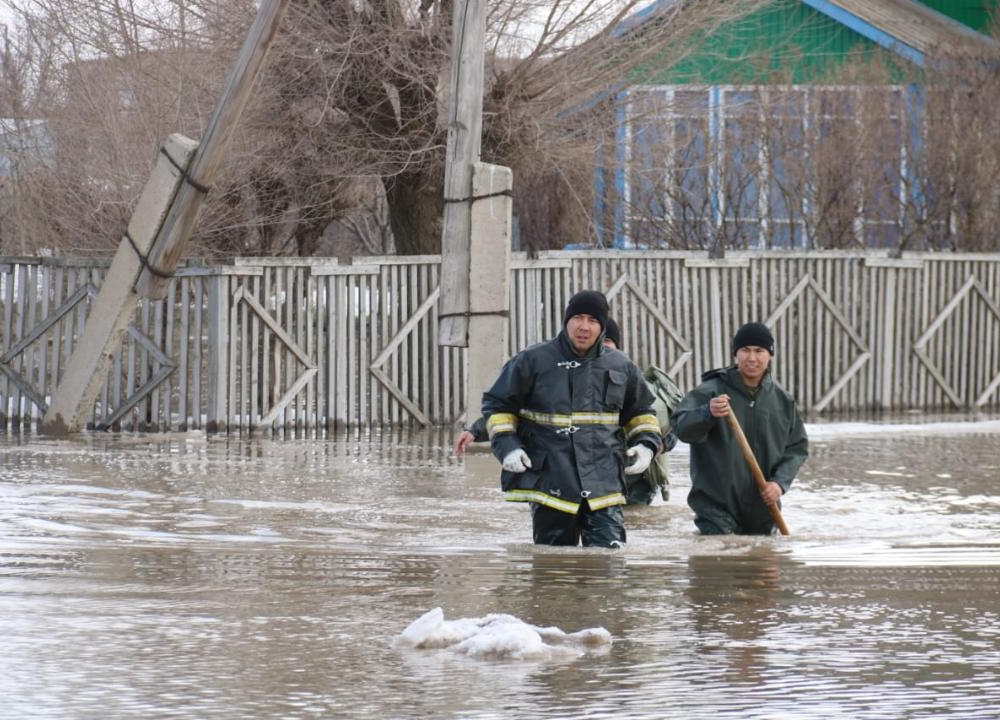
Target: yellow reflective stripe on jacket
642, 423
541, 498
564, 420
606, 501
500, 423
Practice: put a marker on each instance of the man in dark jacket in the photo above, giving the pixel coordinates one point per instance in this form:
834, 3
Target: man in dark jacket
724, 495
476, 432
639, 489
560, 417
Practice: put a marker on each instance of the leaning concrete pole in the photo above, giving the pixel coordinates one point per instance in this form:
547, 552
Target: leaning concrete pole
159, 230
73, 400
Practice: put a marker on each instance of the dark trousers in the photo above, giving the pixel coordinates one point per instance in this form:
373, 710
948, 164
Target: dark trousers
724, 524
595, 528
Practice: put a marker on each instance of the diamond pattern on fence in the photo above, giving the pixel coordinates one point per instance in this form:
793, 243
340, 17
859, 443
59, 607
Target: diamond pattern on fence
376, 367
167, 368
623, 283
864, 354
32, 393
241, 295
920, 346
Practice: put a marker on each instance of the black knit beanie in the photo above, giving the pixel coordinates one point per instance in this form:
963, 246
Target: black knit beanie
588, 302
613, 333
755, 334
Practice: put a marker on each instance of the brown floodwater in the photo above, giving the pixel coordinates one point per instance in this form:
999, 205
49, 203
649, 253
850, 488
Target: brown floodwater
177, 576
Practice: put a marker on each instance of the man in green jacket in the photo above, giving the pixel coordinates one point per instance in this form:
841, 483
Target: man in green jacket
724, 495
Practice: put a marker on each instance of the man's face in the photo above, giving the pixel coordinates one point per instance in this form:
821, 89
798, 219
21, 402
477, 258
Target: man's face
752, 362
583, 331
609, 343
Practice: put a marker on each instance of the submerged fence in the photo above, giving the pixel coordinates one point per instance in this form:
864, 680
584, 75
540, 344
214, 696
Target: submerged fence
316, 343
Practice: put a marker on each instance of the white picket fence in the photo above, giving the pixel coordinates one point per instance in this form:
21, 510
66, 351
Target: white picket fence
306, 344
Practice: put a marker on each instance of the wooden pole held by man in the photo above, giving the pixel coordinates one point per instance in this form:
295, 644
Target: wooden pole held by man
755, 470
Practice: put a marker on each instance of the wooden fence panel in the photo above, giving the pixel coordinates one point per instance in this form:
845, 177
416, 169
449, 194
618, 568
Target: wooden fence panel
301, 344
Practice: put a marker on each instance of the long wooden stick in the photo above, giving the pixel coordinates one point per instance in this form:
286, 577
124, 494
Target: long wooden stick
755, 469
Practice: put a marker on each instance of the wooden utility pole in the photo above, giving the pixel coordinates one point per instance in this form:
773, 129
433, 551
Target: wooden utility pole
158, 232
465, 129
475, 241
176, 231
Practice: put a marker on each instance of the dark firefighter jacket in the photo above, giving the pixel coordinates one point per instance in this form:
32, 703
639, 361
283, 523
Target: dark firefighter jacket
720, 477
478, 430
574, 417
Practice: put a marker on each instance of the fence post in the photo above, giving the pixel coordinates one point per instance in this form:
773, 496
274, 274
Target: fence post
218, 357
888, 310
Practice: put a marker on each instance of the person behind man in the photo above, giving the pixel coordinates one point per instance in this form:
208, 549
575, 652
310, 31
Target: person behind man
641, 488
724, 495
560, 417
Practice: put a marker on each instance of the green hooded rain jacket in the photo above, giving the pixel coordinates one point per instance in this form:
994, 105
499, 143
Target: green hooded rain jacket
723, 490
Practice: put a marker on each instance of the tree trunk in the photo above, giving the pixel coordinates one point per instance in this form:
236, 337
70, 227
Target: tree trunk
416, 207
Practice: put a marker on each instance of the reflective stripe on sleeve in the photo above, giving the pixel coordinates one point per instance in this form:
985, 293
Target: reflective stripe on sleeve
501, 423
641, 424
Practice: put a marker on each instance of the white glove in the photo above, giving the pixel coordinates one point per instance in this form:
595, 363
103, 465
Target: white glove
643, 456
517, 461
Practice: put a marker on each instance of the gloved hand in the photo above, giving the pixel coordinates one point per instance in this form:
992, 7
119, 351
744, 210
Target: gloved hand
643, 456
517, 461
669, 441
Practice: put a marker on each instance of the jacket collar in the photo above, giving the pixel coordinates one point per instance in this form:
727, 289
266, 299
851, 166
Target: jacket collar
735, 380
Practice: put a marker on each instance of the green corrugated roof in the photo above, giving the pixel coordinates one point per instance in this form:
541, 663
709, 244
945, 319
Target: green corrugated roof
977, 14
791, 42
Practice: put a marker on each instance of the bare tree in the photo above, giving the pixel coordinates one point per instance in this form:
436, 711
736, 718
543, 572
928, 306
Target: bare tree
25, 78
354, 91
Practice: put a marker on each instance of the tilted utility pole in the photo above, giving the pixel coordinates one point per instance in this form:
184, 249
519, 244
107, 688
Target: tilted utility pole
159, 231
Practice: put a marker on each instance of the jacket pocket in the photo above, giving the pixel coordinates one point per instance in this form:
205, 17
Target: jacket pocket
614, 389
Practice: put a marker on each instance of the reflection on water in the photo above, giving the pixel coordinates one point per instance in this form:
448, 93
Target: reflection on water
179, 576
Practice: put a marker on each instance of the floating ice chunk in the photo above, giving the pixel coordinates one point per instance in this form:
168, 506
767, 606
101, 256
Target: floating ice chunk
500, 640
498, 636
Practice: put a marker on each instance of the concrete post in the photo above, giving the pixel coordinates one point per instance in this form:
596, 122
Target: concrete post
73, 400
489, 302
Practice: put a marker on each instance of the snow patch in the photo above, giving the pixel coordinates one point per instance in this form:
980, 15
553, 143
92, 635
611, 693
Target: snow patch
861, 429
499, 637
